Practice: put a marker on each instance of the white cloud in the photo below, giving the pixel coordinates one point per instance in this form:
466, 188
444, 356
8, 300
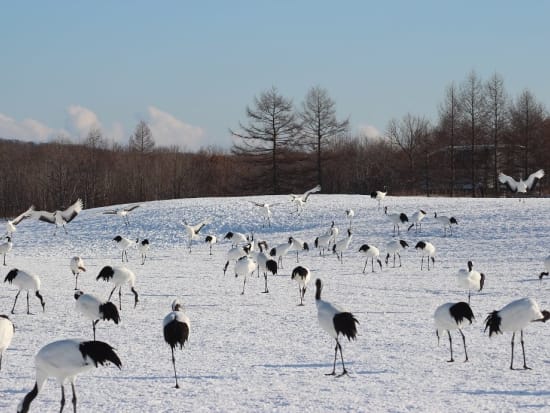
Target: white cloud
80, 120
168, 130
369, 131
27, 130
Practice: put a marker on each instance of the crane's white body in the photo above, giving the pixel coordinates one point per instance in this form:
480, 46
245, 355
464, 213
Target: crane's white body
77, 266
444, 321
521, 186
6, 247
396, 219
118, 276
470, 279
64, 360
341, 245
244, 267
427, 251
322, 242
302, 275
11, 224
122, 212
88, 306
143, 246
6, 335
452, 316
446, 222
300, 200
26, 281
371, 252
416, 220
518, 314
194, 230
123, 245
393, 247
58, 217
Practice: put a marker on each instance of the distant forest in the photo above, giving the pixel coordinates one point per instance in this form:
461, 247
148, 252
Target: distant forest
282, 148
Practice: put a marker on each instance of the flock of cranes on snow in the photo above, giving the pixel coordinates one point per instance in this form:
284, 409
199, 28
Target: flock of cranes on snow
65, 359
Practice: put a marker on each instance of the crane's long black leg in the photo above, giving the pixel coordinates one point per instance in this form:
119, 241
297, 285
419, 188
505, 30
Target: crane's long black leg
76, 282
265, 277
110, 295
16, 296
93, 326
451, 346
244, 283
120, 297
523, 350
464, 341
62, 399
512, 360
334, 365
174, 364
74, 397
365, 267
344, 371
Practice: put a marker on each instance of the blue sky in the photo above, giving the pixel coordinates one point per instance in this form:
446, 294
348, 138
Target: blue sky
190, 68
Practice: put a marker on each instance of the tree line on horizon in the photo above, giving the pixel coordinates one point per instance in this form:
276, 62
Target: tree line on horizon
480, 131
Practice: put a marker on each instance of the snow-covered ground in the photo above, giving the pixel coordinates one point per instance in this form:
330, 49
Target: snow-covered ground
262, 352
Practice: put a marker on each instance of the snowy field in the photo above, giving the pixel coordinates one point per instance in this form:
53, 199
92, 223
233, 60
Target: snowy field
262, 352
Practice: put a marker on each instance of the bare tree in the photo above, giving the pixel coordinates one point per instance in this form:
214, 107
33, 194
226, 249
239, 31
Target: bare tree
449, 114
408, 134
142, 140
472, 102
319, 123
272, 126
527, 120
496, 105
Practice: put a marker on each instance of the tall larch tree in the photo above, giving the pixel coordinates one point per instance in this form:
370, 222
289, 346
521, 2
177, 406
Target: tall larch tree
497, 116
472, 102
319, 123
272, 127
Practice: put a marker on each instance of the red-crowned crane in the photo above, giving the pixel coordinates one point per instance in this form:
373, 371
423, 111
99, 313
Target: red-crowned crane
470, 279
393, 247
25, 281
6, 334
64, 360
513, 317
77, 266
119, 276
300, 200
451, 316
176, 327
371, 252
427, 249
95, 309
302, 275
59, 218
335, 321
122, 212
